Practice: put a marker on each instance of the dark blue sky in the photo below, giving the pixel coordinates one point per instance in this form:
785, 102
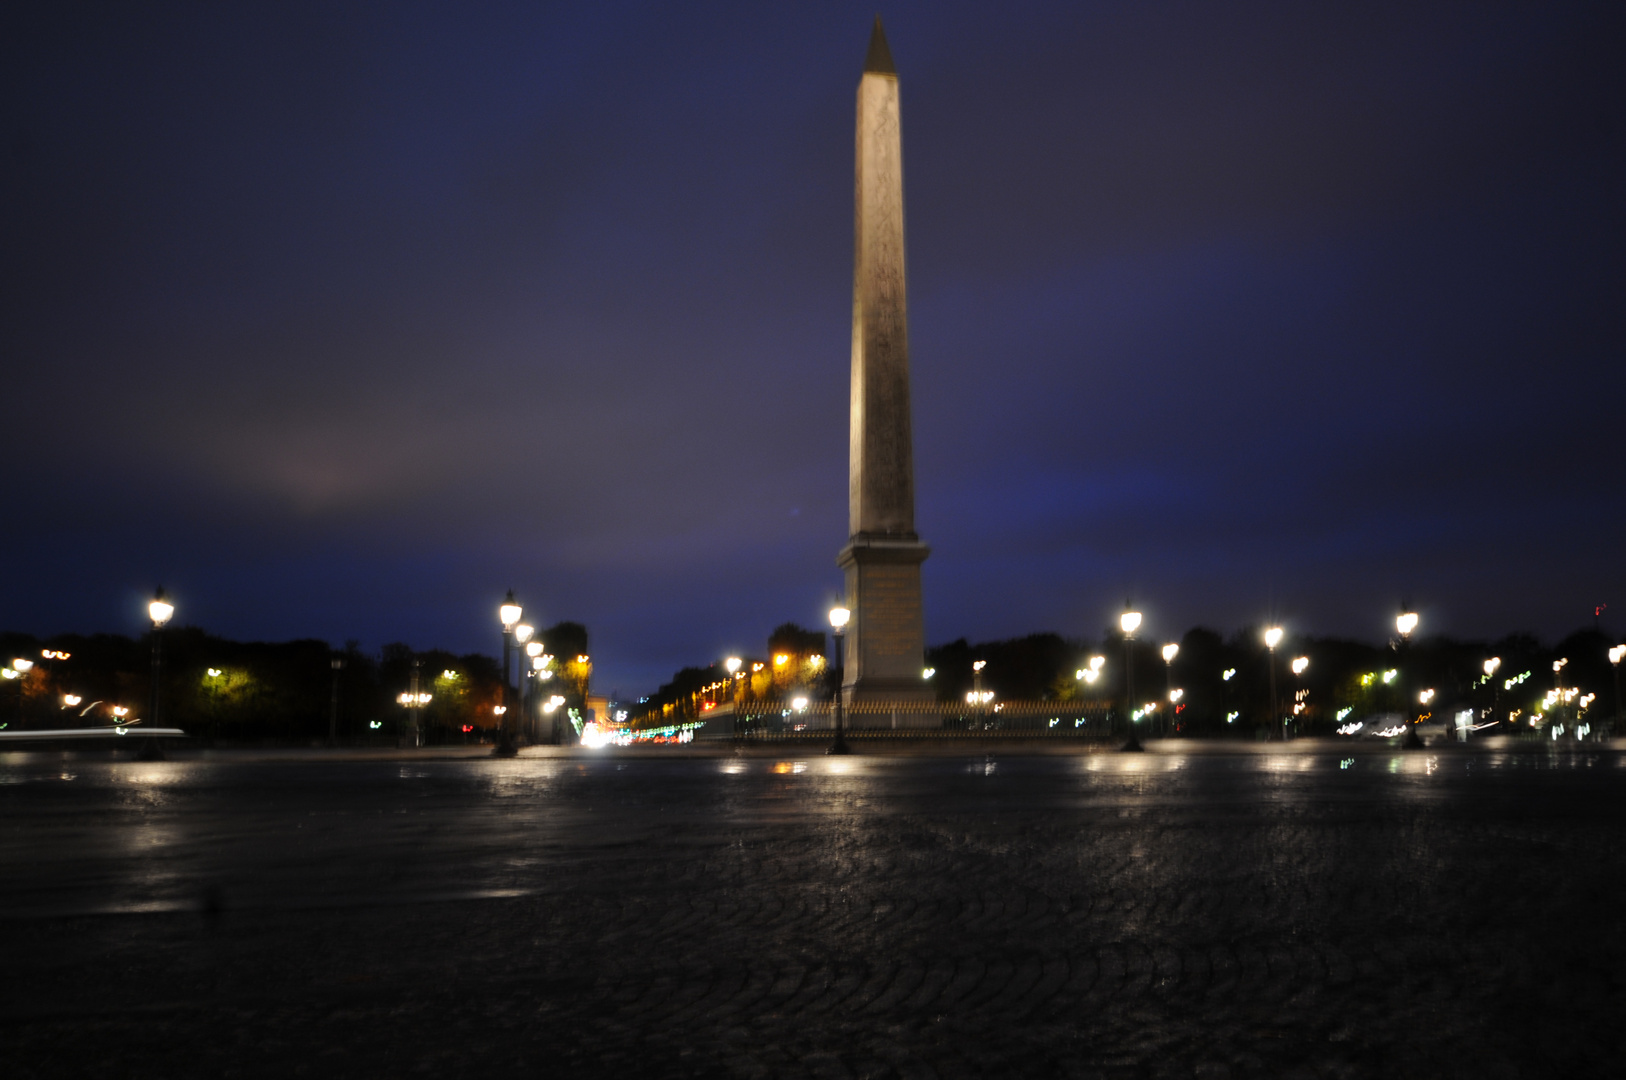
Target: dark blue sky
341, 319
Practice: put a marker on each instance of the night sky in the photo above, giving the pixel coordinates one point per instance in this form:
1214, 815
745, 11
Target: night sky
340, 320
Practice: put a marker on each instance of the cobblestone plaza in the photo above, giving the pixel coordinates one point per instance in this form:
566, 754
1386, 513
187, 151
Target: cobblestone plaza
1300, 911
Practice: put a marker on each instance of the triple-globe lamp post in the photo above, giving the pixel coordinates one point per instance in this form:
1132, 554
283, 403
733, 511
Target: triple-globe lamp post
838, 626
509, 615
1405, 623
160, 611
1273, 638
1129, 622
1170, 651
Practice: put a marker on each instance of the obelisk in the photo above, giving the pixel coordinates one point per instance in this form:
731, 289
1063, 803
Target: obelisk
886, 638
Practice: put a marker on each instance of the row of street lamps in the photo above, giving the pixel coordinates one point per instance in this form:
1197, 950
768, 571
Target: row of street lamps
533, 669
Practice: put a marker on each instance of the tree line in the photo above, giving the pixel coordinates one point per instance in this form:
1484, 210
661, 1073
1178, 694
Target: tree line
228, 691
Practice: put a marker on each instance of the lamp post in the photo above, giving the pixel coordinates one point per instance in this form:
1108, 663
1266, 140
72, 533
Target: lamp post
976, 691
1300, 663
20, 667
508, 614
523, 632
1491, 667
1405, 623
159, 610
417, 702
737, 690
1616, 655
1273, 638
1170, 651
413, 700
838, 625
337, 664
1129, 622
533, 649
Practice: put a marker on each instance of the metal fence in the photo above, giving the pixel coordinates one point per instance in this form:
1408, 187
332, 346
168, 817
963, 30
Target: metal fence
869, 720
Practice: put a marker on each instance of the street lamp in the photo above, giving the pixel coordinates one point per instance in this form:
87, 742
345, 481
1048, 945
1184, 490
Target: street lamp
737, 687
1170, 651
976, 689
838, 625
533, 649
1405, 623
1299, 664
159, 610
1616, 655
1491, 667
414, 700
19, 667
508, 614
1273, 638
1129, 622
337, 663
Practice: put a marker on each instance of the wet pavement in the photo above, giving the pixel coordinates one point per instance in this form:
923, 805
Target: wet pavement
1191, 912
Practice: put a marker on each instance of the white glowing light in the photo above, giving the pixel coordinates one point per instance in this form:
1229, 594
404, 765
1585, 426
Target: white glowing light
798, 703
1273, 637
1129, 621
70, 700
160, 610
839, 617
1097, 663
1617, 654
24, 666
1228, 674
1230, 717
1170, 651
979, 665
928, 673
1406, 622
1299, 664
1491, 665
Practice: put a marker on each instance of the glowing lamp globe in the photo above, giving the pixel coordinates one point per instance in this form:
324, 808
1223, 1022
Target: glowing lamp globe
839, 617
160, 609
1129, 621
509, 612
1406, 622
1170, 651
1273, 637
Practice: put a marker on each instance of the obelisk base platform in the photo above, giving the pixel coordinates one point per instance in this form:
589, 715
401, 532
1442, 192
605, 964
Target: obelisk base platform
885, 647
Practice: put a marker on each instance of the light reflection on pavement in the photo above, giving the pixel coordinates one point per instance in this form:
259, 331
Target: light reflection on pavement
1187, 911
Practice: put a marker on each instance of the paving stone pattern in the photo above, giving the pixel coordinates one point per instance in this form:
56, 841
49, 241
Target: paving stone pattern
1284, 913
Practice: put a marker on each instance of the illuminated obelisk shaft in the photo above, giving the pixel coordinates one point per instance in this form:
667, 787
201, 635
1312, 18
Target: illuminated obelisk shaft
885, 643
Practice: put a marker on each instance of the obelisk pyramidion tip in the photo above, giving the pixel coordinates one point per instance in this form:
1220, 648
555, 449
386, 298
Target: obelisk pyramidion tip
879, 60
